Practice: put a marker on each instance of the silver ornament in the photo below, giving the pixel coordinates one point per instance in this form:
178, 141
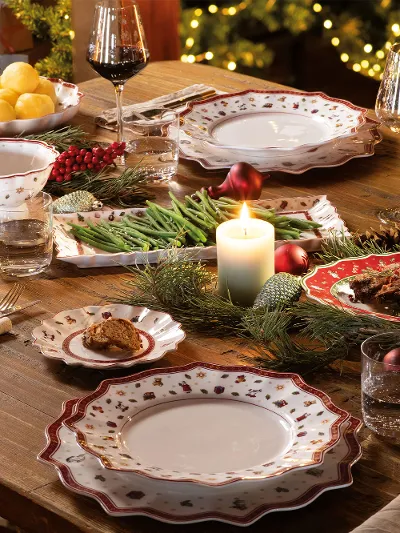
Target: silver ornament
76, 201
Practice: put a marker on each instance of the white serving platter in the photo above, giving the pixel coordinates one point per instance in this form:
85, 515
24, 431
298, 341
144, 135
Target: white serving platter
316, 208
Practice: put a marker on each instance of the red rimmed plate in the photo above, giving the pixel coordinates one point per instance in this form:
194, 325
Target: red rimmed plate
125, 494
61, 336
329, 284
157, 424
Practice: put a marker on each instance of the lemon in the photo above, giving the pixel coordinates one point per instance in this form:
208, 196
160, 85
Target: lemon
7, 112
21, 77
46, 87
0, 83
9, 96
33, 106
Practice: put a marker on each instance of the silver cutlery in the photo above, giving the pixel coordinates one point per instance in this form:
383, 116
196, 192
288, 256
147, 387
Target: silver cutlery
18, 308
11, 298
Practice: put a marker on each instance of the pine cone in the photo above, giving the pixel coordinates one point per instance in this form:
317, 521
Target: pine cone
385, 237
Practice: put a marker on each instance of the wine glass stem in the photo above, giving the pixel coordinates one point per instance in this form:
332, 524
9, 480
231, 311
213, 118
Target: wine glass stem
119, 88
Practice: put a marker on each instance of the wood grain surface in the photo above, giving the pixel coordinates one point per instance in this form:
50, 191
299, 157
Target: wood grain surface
32, 388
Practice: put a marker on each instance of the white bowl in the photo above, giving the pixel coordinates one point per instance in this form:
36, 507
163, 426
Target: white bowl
69, 99
24, 170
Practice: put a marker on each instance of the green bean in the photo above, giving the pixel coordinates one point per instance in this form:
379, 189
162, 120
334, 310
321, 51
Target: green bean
97, 244
182, 209
195, 233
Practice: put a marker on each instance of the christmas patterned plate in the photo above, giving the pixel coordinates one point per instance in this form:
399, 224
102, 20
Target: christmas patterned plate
333, 154
61, 336
316, 208
329, 284
274, 121
126, 494
259, 424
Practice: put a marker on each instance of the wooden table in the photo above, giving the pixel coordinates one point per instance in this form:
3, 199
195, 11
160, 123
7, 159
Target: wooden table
32, 388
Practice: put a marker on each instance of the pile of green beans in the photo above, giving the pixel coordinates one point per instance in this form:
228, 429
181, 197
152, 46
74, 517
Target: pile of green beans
192, 223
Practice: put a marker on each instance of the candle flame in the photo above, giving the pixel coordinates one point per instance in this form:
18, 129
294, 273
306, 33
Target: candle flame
244, 217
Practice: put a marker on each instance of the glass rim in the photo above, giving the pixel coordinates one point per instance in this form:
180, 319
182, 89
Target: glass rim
373, 338
103, 3
46, 197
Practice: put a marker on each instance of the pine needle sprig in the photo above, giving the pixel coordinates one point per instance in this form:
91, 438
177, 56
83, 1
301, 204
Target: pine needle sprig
124, 190
338, 246
63, 138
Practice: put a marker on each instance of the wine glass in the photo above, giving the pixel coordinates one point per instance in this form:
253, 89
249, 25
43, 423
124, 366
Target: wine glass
117, 48
387, 109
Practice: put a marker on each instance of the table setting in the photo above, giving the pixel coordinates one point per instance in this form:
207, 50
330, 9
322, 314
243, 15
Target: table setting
220, 235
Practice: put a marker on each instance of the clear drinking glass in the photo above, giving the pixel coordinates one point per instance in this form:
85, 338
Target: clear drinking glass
26, 237
387, 109
117, 48
152, 144
380, 382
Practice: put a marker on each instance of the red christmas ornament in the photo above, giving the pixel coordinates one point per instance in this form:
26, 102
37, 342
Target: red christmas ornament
292, 259
392, 360
243, 182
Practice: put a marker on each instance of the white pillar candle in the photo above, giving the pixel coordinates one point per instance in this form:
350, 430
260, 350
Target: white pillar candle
245, 251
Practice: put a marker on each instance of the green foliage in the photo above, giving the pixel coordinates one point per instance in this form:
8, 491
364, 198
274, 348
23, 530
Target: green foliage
52, 23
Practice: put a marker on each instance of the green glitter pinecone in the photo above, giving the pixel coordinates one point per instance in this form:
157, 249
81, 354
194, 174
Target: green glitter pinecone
281, 289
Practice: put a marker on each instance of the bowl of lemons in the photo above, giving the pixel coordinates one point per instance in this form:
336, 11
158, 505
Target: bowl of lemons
30, 103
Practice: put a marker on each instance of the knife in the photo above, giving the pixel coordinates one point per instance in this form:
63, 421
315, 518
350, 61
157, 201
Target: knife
18, 308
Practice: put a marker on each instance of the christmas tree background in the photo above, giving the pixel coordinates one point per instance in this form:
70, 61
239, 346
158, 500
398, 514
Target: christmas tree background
257, 37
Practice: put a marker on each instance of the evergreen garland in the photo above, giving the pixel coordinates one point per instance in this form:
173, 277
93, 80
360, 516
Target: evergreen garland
52, 23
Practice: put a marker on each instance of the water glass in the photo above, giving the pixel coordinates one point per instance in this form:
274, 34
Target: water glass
26, 236
153, 144
380, 382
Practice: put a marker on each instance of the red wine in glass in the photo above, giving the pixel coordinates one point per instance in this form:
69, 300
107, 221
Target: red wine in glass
117, 48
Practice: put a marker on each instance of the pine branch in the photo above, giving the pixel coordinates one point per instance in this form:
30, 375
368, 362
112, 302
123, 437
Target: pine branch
62, 138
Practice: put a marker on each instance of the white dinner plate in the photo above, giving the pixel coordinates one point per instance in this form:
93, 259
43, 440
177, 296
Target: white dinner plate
259, 424
127, 494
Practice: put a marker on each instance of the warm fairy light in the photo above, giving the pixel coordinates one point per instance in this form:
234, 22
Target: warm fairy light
317, 8
371, 72
335, 41
232, 11
198, 12
395, 28
209, 56
365, 63
356, 67
380, 54
189, 42
344, 57
368, 48
328, 24
194, 23
184, 58
376, 67
388, 45
191, 58
66, 17
212, 8
72, 35
231, 65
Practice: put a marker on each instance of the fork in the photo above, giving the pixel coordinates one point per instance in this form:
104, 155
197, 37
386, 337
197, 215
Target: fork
11, 298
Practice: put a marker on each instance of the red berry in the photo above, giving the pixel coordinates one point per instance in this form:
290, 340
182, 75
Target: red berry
69, 162
73, 148
83, 167
83, 152
98, 151
62, 171
95, 160
67, 177
120, 152
90, 165
114, 155
59, 179
57, 164
87, 158
109, 150
62, 157
103, 164
79, 159
76, 168
98, 167
107, 159
123, 145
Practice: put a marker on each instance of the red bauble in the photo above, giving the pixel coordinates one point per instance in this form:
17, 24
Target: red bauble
243, 182
291, 258
392, 360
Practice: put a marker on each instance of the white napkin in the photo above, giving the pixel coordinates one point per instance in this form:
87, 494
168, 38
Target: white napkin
386, 520
108, 118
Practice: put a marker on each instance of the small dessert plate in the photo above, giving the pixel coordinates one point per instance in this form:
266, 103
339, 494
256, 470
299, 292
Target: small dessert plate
330, 284
158, 424
61, 336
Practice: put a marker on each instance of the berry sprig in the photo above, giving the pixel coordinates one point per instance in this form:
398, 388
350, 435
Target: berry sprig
77, 159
